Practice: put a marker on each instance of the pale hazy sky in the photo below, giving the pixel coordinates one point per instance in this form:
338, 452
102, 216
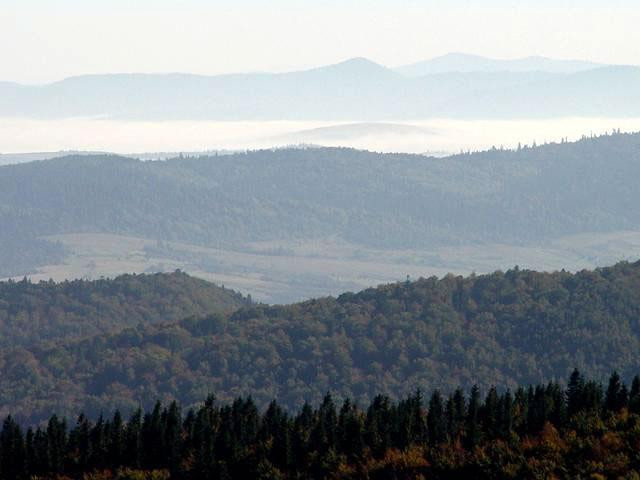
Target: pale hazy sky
46, 40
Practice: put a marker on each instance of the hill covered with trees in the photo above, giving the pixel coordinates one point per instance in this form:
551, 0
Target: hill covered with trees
32, 313
390, 201
505, 329
542, 431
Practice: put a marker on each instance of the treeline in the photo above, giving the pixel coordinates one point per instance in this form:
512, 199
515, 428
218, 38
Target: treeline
32, 313
543, 431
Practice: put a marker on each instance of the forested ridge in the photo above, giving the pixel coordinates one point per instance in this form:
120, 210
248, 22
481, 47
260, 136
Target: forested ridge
32, 313
507, 328
395, 201
583, 430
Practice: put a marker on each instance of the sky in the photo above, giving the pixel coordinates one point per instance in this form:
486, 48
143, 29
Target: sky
43, 41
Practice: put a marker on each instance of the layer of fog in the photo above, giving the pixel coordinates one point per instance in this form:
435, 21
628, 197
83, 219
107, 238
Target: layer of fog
434, 136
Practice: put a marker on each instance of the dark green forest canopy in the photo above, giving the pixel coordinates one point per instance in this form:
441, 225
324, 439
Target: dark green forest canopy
506, 329
47, 311
378, 200
582, 430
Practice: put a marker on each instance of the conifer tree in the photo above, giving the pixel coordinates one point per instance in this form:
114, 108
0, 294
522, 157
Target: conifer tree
132, 441
473, 432
12, 450
56, 438
350, 431
613, 397
436, 423
634, 395
574, 393
377, 431
116, 441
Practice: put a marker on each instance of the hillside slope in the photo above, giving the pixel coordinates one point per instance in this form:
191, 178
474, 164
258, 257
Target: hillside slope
505, 329
31, 313
389, 201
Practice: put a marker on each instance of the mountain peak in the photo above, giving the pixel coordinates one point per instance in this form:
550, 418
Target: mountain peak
359, 61
357, 66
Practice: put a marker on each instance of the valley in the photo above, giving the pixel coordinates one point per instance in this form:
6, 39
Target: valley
288, 271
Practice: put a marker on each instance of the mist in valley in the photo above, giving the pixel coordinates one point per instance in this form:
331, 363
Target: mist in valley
162, 139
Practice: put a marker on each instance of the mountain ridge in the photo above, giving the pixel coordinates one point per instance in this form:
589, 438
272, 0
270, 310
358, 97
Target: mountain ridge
462, 62
354, 90
349, 63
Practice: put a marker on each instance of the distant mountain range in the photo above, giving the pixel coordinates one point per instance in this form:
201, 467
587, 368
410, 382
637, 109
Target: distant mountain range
453, 86
462, 62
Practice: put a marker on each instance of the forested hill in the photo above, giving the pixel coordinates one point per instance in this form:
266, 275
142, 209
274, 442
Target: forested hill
501, 329
376, 200
46, 311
